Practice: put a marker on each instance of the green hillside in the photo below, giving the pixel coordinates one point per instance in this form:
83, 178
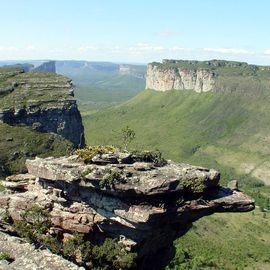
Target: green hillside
226, 130
230, 241
229, 132
102, 84
19, 143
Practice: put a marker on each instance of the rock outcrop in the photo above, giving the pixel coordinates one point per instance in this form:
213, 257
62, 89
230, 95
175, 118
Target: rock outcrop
43, 101
25, 256
201, 76
144, 203
163, 79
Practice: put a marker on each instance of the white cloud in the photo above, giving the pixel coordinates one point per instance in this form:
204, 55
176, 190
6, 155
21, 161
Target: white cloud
9, 49
140, 52
228, 50
30, 48
141, 47
87, 48
181, 49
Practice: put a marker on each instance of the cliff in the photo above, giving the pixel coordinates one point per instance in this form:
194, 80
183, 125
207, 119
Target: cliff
140, 199
38, 116
203, 76
43, 101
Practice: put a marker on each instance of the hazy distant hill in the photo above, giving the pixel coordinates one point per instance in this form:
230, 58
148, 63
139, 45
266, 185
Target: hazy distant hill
100, 84
228, 128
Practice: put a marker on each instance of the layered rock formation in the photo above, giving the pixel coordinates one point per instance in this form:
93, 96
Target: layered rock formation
200, 76
145, 203
163, 79
43, 101
25, 256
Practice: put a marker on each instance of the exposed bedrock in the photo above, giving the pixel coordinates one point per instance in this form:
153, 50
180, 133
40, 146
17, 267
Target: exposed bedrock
144, 205
44, 101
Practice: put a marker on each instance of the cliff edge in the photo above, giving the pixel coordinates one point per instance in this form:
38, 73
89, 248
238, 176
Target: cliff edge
38, 116
204, 76
43, 101
139, 199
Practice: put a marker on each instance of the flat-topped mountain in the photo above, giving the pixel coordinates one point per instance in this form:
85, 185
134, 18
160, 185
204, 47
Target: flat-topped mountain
40, 102
205, 76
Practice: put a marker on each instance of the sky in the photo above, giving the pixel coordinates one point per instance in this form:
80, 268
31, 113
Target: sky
135, 31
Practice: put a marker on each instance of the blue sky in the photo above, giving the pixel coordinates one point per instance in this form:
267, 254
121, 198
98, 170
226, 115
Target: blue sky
135, 30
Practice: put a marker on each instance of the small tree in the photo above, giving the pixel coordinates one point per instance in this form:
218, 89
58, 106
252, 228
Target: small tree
128, 135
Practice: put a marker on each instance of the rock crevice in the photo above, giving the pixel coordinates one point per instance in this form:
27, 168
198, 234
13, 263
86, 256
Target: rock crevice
144, 205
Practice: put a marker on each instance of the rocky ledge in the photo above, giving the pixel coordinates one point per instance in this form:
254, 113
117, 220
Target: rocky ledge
140, 199
43, 101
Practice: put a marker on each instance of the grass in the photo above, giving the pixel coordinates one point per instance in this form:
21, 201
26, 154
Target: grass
221, 67
226, 132
100, 85
42, 89
20, 143
186, 126
225, 241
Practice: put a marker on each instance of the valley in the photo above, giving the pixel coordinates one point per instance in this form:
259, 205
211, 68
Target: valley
226, 130
222, 130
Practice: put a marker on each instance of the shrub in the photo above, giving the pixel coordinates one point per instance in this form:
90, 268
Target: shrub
89, 152
52, 243
5, 216
5, 256
35, 223
150, 156
110, 179
195, 185
73, 246
38, 218
127, 135
111, 253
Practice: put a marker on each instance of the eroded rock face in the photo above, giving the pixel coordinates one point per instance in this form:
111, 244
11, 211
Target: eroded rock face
163, 79
24, 256
145, 205
204, 76
43, 101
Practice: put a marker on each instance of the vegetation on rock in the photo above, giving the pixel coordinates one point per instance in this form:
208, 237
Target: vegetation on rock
34, 225
197, 185
110, 254
4, 256
149, 156
89, 152
111, 178
19, 143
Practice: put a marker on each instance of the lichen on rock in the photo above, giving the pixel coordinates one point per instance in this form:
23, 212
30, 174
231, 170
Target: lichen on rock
141, 205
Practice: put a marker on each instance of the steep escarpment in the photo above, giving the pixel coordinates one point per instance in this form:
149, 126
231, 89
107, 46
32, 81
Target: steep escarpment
139, 199
43, 101
38, 116
204, 76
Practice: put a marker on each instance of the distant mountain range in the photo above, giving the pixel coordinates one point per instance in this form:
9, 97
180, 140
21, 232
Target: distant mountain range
98, 84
